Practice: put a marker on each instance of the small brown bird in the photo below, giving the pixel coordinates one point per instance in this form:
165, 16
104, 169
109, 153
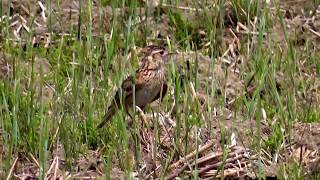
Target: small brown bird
150, 83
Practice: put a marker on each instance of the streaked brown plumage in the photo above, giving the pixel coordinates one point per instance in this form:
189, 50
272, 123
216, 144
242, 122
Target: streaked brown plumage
150, 83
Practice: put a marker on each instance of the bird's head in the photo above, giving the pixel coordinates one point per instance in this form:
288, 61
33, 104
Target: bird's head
155, 57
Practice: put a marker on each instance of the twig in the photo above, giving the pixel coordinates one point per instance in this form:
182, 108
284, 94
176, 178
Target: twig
34, 160
50, 168
16, 32
180, 7
194, 153
313, 32
26, 27
43, 14
12, 167
56, 168
188, 157
227, 164
13, 23
22, 19
25, 9
227, 172
207, 158
237, 155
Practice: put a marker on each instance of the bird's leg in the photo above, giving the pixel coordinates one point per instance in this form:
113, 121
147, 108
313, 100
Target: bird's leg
143, 116
130, 123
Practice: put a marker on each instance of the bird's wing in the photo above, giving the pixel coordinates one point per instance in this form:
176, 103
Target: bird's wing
127, 88
162, 92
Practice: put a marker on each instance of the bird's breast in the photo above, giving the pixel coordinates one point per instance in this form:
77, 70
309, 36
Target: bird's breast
150, 90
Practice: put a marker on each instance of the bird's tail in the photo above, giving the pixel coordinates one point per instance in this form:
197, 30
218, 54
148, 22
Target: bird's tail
111, 111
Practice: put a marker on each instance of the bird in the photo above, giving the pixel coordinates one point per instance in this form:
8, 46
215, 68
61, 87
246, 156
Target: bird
150, 82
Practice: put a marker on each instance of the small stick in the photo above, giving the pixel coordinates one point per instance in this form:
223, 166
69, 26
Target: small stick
50, 168
12, 167
313, 32
56, 168
34, 159
192, 154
